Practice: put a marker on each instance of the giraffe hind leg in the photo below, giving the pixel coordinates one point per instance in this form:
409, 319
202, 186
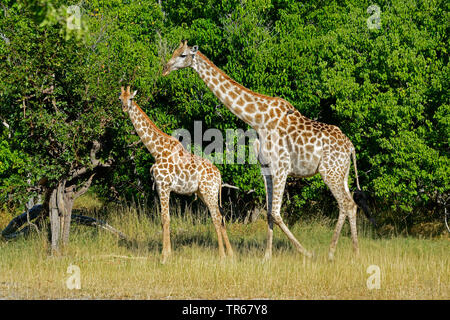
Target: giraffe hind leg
225, 235
217, 221
211, 202
337, 181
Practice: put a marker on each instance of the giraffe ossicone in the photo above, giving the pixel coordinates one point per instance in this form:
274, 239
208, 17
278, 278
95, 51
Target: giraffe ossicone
177, 170
290, 144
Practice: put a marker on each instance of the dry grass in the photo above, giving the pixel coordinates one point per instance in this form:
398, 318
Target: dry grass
410, 268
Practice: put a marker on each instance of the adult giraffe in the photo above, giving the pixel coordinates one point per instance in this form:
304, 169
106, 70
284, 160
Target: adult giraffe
291, 145
177, 170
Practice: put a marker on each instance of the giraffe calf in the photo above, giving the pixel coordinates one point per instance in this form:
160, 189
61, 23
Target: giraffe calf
177, 170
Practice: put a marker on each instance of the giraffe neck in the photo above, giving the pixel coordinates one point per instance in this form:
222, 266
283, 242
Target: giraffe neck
255, 109
153, 138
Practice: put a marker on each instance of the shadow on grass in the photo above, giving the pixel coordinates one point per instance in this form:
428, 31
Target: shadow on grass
207, 240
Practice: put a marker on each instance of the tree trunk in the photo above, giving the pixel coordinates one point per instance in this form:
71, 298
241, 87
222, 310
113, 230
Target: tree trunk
55, 223
60, 209
59, 200
67, 220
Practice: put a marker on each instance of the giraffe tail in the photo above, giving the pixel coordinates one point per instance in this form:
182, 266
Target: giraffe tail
220, 195
360, 197
356, 170
269, 194
222, 212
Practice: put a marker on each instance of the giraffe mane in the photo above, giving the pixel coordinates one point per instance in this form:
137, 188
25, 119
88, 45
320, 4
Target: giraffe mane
240, 86
152, 124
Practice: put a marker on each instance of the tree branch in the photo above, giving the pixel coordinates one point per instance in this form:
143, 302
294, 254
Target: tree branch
94, 161
95, 148
6, 124
226, 185
85, 187
88, 221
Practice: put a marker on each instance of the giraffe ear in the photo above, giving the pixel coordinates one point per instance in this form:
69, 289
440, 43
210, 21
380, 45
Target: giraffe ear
133, 95
194, 49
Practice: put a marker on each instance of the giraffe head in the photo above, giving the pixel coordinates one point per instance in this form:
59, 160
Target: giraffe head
126, 97
182, 57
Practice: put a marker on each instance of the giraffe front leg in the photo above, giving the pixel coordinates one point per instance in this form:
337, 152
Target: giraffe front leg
278, 189
268, 182
164, 195
268, 253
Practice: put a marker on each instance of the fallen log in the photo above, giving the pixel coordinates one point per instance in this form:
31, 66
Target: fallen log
92, 222
18, 221
10, 232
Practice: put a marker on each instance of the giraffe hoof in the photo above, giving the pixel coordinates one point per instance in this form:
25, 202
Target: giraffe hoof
311, 255
267, 257
330, 256
165, 259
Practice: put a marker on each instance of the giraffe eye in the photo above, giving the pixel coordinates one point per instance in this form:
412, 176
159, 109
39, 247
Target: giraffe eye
183, 55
